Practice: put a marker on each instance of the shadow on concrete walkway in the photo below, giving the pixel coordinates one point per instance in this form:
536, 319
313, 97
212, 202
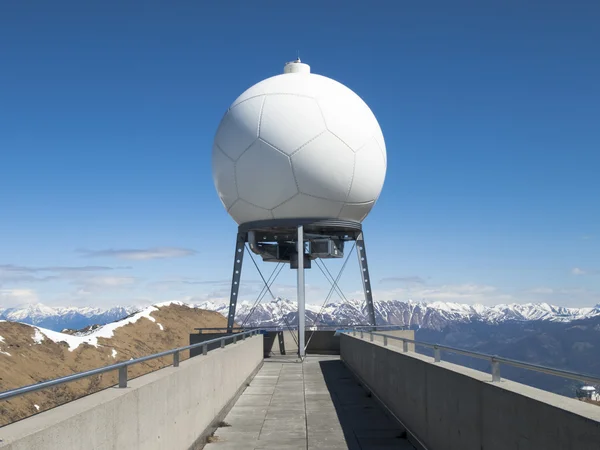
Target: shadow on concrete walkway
365, 424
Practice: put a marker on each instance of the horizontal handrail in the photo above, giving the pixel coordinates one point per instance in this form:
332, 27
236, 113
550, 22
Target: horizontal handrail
493, 359
122, 366
308, 327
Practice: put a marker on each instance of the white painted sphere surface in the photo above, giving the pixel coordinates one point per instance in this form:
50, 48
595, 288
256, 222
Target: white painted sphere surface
298, 145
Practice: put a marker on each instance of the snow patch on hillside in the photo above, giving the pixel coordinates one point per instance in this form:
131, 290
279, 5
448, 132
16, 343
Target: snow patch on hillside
106, 331
38, 337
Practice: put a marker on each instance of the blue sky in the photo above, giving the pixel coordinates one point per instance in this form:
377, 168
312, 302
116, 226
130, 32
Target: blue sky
490, 115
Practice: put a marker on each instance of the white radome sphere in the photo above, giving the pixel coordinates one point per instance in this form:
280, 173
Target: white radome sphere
298, 145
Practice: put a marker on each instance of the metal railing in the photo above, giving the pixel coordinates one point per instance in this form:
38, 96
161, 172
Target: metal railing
495, 361
275, 328
122, 367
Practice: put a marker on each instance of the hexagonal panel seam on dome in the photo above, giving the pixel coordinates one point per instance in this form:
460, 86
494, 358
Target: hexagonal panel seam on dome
383, 153
301, 194
241, 200
226, 155
285, 201
270, 93
262, 108
342, 141
307, 142
245, 150
273, 147
293, 113
237, 192
295, 177
286, 161
351, 178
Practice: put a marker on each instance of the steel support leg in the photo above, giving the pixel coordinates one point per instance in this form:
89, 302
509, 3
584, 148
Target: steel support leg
301, 315
364, 272
281, 342
235, 280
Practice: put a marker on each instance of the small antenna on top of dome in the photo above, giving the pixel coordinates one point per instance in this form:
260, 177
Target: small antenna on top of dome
298, 56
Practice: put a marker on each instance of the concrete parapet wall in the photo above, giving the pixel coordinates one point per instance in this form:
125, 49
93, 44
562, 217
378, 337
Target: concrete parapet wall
172, 408
450, 407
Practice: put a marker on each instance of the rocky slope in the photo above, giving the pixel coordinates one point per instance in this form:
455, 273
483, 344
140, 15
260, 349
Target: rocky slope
30, 354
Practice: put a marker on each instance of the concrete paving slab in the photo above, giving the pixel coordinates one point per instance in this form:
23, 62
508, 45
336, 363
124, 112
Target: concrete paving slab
254, 400
260, 390
313, 405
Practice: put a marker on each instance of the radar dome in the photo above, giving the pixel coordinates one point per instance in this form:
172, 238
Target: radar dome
298, 146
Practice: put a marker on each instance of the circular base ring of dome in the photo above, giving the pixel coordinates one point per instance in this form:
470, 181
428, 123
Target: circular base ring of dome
327, 227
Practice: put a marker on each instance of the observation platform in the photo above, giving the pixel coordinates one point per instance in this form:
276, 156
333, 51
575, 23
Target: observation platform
378, 393
313, 405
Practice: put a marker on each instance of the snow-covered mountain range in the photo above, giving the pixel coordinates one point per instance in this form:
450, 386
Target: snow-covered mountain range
434, 316
59, 318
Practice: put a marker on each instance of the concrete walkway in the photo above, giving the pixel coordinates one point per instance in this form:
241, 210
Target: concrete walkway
314, 405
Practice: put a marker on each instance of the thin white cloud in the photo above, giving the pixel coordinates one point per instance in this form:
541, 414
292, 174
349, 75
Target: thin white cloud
108, 281
408, 279
32, 269
540, 291
578, 271
141, 254
17, 296
469, 293
15, 274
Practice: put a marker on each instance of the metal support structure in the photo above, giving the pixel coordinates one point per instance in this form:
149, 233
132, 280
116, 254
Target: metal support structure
123, 377
205, 349
385, 342
235, 280
495, 370
437, 354
404, 346
281, 342
301, 299
364, 273
176, 359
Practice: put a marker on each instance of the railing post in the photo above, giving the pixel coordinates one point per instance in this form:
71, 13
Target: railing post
123, 377
371, 336
495, 370
361, 334
404, 346
204, 349
354, 332
437, 354
244, 337
385, 341
222, 342
235, 339
176, 359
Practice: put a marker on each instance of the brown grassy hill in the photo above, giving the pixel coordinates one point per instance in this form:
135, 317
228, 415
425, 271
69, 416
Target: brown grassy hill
29, 355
